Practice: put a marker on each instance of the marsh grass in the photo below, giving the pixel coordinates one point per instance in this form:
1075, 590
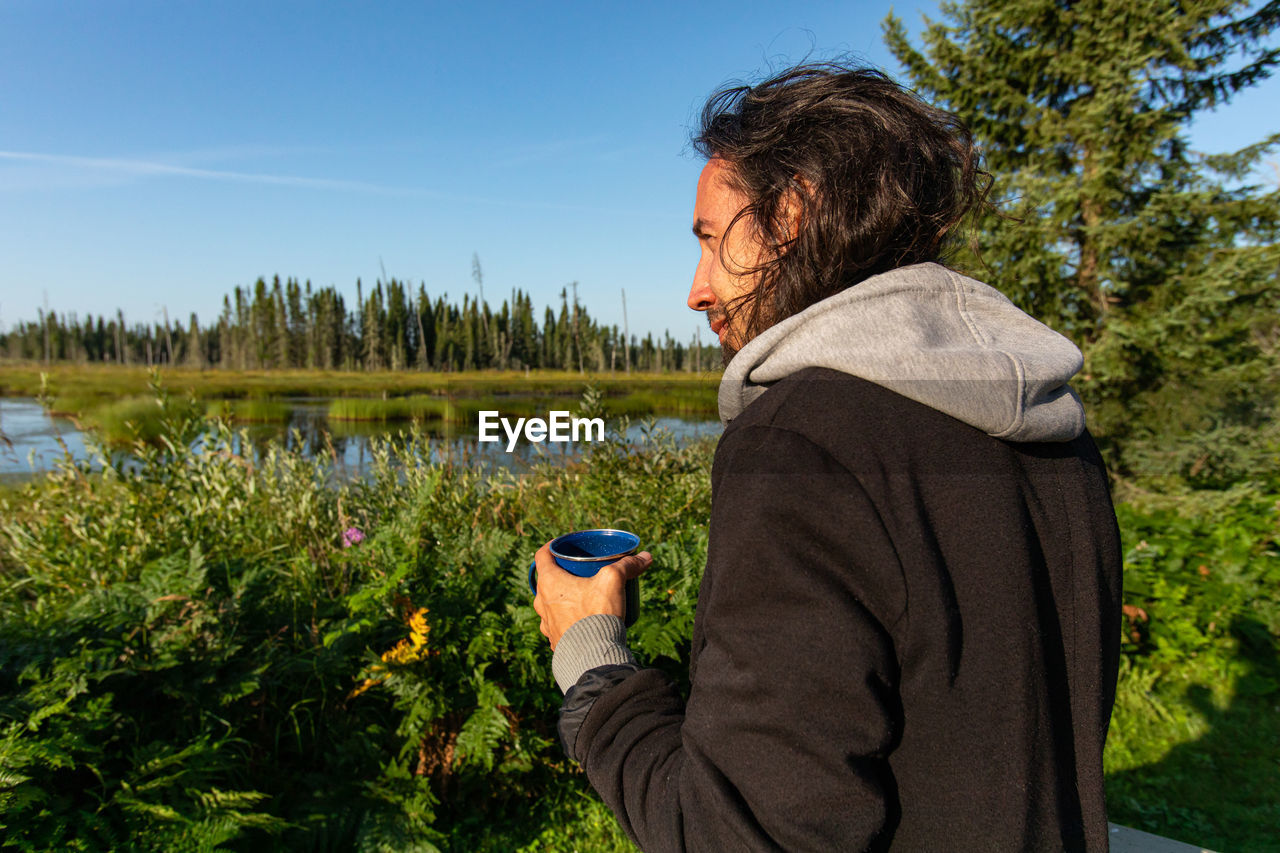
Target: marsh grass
111, 399
77, 405
695, 400
255, 411
415, 408
131, 420
96, 381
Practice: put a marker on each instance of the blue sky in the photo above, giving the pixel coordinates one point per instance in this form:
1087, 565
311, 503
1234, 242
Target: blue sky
157, 153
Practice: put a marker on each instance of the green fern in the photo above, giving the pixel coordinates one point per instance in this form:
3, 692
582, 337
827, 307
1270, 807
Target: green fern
486, 728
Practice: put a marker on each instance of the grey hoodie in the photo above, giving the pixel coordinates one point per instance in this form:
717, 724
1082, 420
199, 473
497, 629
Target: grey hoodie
930, 334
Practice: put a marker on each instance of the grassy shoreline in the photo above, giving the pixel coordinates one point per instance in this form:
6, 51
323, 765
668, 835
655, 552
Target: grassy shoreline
23, 379
117, 402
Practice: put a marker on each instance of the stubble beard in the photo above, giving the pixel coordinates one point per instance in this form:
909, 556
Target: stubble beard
727, 352
727, 349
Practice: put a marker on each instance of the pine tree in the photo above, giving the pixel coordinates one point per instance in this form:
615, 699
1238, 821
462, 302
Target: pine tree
281, 335
195, 355
448, 322
297, 324
101, 336
122, 350
1158, 260
340, 341
426, 328
565, 334
524, 344
467, 330
374, 325
397, 334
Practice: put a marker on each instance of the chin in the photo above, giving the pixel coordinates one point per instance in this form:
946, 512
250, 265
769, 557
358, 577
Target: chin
727, 352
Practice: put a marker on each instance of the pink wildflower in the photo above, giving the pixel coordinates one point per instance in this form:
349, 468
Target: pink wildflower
352, 536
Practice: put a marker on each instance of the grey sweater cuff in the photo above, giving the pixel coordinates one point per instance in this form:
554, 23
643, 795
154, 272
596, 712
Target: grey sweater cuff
596, 640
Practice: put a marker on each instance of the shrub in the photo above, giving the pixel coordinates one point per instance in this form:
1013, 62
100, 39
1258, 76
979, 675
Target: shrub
196, 649
213, 643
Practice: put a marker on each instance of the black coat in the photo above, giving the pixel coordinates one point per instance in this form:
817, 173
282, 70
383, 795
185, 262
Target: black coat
907, 636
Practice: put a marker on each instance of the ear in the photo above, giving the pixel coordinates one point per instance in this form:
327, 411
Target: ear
791, 211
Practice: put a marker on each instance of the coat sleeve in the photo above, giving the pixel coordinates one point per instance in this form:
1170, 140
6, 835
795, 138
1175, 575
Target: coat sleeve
793, 708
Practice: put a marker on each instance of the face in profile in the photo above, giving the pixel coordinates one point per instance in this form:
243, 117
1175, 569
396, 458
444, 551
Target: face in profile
721, 279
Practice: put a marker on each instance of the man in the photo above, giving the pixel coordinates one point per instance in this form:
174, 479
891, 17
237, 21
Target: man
907, 631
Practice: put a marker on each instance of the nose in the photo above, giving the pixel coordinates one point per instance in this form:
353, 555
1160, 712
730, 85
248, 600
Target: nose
700, 295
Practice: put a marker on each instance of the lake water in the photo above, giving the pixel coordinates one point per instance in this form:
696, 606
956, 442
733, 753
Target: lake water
31, 442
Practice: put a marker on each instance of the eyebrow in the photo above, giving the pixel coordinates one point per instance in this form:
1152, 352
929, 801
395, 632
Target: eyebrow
700, 228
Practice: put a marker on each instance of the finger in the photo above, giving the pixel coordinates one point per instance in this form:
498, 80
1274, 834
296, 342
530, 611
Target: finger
543, 556
546, 564
633, 566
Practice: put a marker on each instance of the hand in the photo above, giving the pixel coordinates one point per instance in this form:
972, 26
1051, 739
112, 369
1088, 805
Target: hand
563, 598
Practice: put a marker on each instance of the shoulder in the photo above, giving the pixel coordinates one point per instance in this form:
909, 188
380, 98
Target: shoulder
890, 444
840, 413
792, 517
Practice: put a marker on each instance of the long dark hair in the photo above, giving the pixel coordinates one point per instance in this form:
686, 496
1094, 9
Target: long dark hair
878, 179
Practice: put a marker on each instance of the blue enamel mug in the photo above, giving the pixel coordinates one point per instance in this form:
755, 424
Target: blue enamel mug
585, 552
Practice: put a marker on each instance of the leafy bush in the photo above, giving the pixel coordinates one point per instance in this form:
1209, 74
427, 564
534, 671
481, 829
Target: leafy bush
1194, 739
214, 644
217, 644
1189, 579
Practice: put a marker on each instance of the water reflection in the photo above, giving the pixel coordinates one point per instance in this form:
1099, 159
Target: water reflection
31, 442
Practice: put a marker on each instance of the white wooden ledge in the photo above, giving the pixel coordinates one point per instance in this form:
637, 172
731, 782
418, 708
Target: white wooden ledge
1126, 840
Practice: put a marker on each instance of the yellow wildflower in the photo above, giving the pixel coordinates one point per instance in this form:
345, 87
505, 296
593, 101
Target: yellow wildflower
406, 651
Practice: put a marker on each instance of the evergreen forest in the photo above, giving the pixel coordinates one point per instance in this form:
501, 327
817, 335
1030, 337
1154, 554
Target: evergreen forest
288, 325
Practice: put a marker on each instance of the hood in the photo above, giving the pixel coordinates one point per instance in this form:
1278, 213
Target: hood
930, 334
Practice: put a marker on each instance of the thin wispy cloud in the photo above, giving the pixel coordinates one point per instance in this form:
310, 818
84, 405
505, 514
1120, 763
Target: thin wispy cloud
543, 151
149, 168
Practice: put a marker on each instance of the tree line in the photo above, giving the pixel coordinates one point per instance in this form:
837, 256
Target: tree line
1160, 261
282, 325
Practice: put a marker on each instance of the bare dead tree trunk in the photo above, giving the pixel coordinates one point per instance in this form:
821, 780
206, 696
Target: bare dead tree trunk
577, 344
626, 334
168, 338
44, 325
